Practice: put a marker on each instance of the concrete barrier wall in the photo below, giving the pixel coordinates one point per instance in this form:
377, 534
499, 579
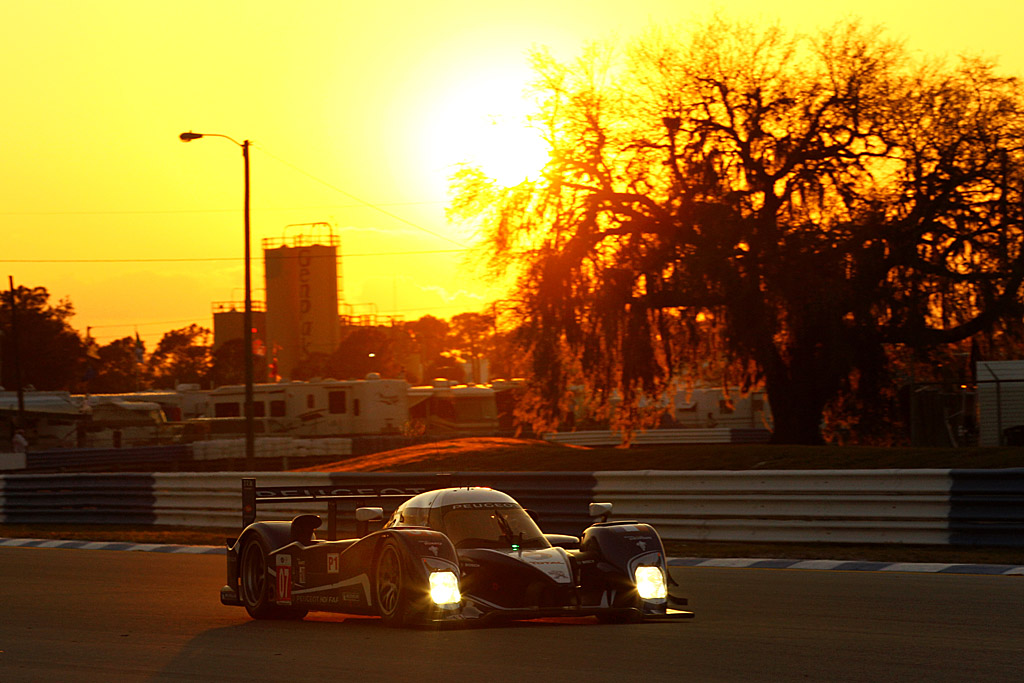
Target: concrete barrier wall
961, 507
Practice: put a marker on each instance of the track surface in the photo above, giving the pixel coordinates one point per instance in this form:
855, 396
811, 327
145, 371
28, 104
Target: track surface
91, 615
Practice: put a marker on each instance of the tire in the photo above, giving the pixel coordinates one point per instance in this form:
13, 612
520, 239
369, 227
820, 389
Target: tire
390, 586
256, 589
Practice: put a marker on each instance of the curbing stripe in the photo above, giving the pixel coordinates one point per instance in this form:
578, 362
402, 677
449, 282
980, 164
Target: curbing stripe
850, 565
112, 545
727, 562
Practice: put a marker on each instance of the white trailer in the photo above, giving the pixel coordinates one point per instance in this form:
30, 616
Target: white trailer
1000, 402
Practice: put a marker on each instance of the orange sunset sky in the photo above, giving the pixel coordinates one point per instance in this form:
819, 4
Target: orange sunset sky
357, 113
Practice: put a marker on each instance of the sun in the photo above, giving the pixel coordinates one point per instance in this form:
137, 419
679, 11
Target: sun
482, 121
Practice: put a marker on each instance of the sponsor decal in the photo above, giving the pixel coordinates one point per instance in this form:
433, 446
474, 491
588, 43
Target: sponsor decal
551, 563
645, 537
486, 506
347, 589
333, 563
433, 546
302, 573
316, 491
317, 599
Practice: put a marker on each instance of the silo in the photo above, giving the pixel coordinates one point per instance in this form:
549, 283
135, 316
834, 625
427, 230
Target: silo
302, 296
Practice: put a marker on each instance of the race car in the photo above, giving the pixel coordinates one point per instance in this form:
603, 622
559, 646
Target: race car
446, 556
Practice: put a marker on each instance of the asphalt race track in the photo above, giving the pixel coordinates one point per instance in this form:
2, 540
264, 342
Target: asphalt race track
97, 615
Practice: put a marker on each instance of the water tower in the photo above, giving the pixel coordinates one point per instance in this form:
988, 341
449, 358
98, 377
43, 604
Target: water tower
302, 295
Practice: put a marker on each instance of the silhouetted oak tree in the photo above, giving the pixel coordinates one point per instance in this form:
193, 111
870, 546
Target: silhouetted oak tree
50, 352
746, 199
117, 369
182, 356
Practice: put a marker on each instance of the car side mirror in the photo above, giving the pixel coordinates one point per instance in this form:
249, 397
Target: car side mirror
602, 510
369, 514
366, 515
563, 541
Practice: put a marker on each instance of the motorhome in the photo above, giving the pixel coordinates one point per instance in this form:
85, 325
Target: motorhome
315, 408
710, 407
445, 408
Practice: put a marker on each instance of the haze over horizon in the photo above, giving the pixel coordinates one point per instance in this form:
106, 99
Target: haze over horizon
357, 116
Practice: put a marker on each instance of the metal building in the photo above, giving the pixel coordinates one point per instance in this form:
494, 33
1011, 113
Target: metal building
229, 323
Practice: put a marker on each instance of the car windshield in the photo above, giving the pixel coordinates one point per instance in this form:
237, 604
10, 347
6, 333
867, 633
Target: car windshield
491, 525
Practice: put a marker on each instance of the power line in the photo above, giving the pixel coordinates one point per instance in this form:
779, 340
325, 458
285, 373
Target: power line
105, 212
227, 258
358, 199
133, 325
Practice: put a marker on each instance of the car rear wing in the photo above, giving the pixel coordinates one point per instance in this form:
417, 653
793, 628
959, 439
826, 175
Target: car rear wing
253, 495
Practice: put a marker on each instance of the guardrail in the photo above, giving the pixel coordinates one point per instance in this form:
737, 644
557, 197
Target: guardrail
174, 457
959, 507
214, 499
841, 506
154, 458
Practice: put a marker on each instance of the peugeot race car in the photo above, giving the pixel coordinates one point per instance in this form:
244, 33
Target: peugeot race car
453, 555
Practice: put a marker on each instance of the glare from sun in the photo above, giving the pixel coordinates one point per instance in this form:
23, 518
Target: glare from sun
483, 122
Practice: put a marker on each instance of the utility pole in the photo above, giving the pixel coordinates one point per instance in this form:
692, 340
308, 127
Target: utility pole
16, 352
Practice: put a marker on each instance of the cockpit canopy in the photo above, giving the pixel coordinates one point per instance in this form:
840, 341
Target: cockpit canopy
472, 518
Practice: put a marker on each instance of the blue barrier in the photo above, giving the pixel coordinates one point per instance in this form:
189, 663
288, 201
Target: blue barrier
987, 507
78, 499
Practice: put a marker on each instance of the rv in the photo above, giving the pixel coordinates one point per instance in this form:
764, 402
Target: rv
315, 408
445, 408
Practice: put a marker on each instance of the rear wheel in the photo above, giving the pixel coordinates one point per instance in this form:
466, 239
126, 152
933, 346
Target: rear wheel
256, 588
389, 586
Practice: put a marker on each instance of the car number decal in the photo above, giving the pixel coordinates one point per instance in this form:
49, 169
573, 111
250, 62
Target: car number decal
284, 579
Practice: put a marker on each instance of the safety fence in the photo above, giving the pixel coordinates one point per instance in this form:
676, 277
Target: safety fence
959, 507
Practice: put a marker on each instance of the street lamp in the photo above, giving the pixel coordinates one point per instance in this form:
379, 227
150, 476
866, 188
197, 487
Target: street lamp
250, 432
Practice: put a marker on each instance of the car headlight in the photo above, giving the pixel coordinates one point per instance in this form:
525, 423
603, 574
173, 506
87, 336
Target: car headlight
444, 588
650, 583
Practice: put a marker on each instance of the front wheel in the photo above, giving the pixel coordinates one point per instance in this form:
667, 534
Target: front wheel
389, 586
256, 588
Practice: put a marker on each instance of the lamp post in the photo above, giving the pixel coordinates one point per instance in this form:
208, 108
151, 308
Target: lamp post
250, 432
